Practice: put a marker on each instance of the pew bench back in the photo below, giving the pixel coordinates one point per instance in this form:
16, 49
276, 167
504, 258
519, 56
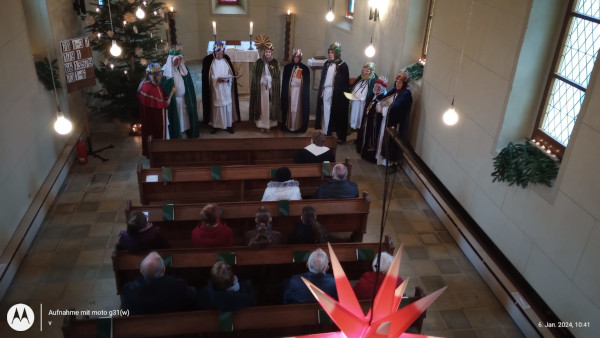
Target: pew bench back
345, 219
225, 183
228, 151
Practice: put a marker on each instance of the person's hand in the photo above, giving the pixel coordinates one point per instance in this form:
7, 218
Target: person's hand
378, 108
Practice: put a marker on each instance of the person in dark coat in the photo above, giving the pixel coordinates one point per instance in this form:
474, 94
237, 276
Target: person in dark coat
366, 285
339, 186
316, 151
265, 88
141, 236
155, 292
308, 230
368, 139
332, 104
362, 89
295, 94
399, 103
295, 291
220, 103
224, 291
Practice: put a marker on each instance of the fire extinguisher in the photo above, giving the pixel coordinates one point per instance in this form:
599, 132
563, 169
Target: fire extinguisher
82, 155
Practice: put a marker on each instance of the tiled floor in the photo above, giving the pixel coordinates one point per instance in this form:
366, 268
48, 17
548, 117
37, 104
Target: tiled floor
69, 264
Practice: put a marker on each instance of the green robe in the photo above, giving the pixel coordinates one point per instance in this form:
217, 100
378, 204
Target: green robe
275, 106
190, 103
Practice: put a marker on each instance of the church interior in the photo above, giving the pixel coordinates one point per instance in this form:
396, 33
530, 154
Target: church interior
517, 261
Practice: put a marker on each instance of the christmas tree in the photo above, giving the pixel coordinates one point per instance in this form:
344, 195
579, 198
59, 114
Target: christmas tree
122, 22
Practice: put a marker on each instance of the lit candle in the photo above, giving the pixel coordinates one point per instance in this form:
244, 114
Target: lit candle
289, 12
171, 9
214, 28
251, 27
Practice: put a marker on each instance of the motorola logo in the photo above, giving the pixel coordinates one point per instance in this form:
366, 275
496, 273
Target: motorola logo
20, 317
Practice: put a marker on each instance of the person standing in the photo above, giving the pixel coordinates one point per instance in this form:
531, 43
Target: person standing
295, 94
153, 104
332, 104
182, 114
361, 89
398, 103
219, 90
265, 105
368, 139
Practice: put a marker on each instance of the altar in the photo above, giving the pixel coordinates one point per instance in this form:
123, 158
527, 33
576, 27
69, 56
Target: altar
242, 60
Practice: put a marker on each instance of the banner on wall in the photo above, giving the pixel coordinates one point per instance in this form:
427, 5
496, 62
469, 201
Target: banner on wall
78, 63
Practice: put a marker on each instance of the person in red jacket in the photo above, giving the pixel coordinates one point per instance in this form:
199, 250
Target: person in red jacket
211, 232
364, 288
153, 106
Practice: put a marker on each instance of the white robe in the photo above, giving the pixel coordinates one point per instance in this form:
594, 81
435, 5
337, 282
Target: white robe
295, 91
357, 107
222, 113
179, 96
328, 95
265, 104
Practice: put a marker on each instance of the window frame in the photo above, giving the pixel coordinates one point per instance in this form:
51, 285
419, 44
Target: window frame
539, 135
427, 30
350, 14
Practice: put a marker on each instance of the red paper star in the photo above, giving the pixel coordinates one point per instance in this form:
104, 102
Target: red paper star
388, 320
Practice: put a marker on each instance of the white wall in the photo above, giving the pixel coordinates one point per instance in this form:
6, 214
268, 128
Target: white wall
549, 234
29, 147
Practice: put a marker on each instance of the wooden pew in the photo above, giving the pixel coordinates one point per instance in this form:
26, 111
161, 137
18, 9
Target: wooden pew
266, 267
259, 321
225, 183
228, 151
345, 218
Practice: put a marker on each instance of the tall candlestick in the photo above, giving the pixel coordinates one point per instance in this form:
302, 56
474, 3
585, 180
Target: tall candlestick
251, 27
214, 28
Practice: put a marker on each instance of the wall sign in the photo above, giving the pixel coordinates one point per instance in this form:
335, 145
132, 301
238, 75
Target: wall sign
78, 63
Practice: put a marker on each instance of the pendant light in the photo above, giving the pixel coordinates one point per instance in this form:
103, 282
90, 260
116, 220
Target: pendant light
115, 50
450, 117
370, 50
329, 17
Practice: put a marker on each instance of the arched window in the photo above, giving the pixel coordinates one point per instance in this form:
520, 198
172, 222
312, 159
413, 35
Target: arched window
572, 66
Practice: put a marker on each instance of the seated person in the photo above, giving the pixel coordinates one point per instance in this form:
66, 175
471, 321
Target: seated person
283, 188
224, 291
308, 230
339, 186
316, 151
297, 292
263, 234
155, 292
141, 235
211, 232
364, 287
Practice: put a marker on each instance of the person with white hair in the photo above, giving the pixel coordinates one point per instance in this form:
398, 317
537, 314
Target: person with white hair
155, 292
366, 286
339, 186
295, 291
